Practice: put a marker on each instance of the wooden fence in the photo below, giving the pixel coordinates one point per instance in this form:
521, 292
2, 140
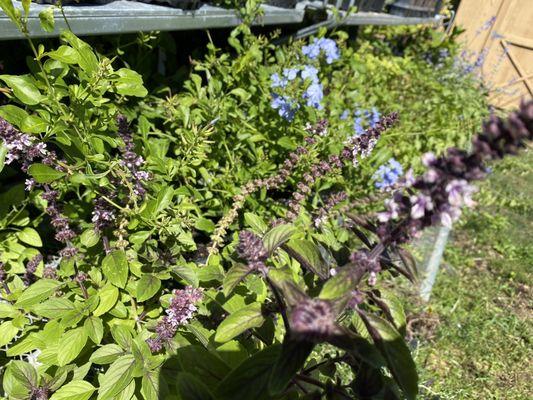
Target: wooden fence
499, 37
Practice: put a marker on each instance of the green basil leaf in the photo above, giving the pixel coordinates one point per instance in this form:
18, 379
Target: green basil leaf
23, 88
147, 287
246, 318
44, 174
277, 236
115, 268
75, 390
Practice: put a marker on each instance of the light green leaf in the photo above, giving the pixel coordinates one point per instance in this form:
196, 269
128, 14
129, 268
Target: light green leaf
117, 377
11, 11
150, 385
33, 124
75, 390
256, 223
240, 321
23, 88
108, 297
46, 17
94, 329
107, 354
277, 236
3, 153
24, 373
89, 237
30, 236
26, 6
72, 343
56, 307
115, 268
65, 54
204, 224
37, 292
130, 83
7, 332
87, 59
13, 114
147, 287
44, 174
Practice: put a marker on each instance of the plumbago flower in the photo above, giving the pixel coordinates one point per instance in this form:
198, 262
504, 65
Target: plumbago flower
388, 174
302, 77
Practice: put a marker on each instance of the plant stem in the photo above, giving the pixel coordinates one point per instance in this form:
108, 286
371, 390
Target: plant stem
282, 307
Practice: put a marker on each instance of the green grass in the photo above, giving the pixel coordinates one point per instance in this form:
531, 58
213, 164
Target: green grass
473, 339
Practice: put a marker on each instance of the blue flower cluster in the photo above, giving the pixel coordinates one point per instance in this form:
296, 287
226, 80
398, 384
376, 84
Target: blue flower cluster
325, 46
388, 174
371, 117
308, 74
286, 106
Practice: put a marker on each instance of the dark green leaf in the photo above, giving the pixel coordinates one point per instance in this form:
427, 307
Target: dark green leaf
308, 254
234, 276
240, 321
395, 351
249, 381
291, 360
191, 388
277, 236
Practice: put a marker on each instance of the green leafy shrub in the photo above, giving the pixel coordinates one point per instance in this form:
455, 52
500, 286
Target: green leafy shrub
199, 244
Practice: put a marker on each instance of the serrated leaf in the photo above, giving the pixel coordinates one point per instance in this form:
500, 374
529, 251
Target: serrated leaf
72, 343
44, 174
108, 296
147, 287
94, 328
246, 318
234, 276
23, 88
115, 268
117, 377
37, 292
150, 385
107, 354
75, 390
277, 236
